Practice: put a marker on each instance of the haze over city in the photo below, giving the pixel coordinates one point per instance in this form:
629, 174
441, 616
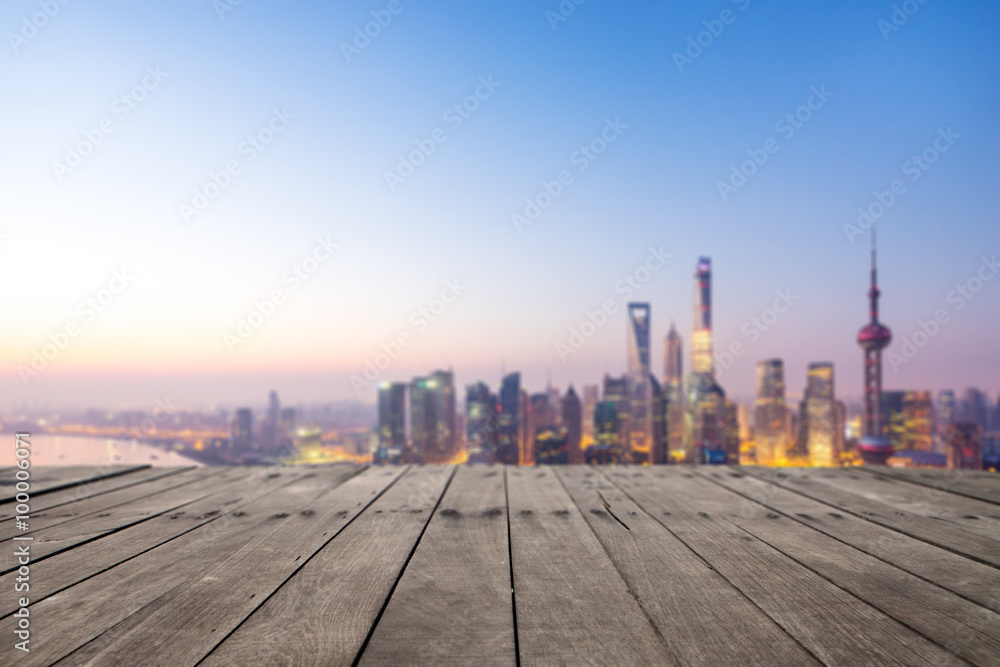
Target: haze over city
526, 180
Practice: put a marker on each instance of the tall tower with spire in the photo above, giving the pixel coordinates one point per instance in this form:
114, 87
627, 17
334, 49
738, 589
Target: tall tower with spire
874, 337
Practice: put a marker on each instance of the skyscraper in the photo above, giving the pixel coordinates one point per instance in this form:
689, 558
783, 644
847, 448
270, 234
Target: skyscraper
974, 408
591, 395
433, 433
658, 423
242, 435
606, 434
616, 390
391, 423
572, 421
701, 333
964, 446
673, 389
917, 431
640, 395
770, 413
874, 337
481, 423
271, 426
509, 434
821, 433
943, 418
705, 398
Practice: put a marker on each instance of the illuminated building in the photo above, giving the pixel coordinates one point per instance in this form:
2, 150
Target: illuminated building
242, 433
874, 337
481, 423
572, 421
540, 413
658, 424
944, 416
974, 408
705, 398
770, 413
673, 388
963, 446
591, 394
433, 436
640, 394
391, 423
606, 434
821, 428
551, 446
616, 391
893, 419
527, 453
509, 434
731, 432
917, 431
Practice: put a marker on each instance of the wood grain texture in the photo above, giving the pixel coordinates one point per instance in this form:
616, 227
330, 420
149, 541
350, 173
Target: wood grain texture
829, 622
58, 572
945, 535
703, 618
966, 629
46, 479
134, 590
974, 581
453, 605
50, 501
572, 606
983, 486
323, 614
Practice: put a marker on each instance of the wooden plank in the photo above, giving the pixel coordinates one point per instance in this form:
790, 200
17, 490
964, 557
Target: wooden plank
68, 568
64, 535
91, 489
123, 596
46, 479
336, 597
679, 592
832, 624
972, 515
964, 628
974, 581
42, 519
453, 604
571, 605
983, 486
947, 536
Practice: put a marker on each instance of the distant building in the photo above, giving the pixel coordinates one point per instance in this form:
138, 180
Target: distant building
893, 417
658, 425
918, 432
770, 413
731, 433
242, 433
822, 427
974, 408
616, 390
433, 433
391, 423
551, 446
482, 423
640, 394
606, 435
572, 421
509, 434
673, 388
271, 432
964, 446
591, 395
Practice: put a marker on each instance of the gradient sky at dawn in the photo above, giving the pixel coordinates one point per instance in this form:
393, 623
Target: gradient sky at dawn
323, 177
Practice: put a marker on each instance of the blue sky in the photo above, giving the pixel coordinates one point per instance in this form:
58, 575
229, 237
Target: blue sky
555, 89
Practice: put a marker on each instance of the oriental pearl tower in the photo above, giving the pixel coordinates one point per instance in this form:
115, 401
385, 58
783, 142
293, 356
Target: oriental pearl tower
874, 337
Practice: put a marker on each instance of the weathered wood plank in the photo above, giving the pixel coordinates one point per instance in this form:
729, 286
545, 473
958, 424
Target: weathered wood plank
86, 490
46, 479
703, 619
948, 536
829, 622
186, 623
453, 604
42, 519
983, 486
974, 581
125, 595
571, 605
975, 516
66, 534
964, 628
323, 614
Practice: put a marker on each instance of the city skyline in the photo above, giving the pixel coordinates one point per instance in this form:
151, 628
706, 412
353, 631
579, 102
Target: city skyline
576, 170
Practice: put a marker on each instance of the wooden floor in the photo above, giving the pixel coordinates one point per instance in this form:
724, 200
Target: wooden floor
473, 565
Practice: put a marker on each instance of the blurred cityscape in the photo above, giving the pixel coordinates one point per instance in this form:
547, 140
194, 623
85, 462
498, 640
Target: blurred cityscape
631, 419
